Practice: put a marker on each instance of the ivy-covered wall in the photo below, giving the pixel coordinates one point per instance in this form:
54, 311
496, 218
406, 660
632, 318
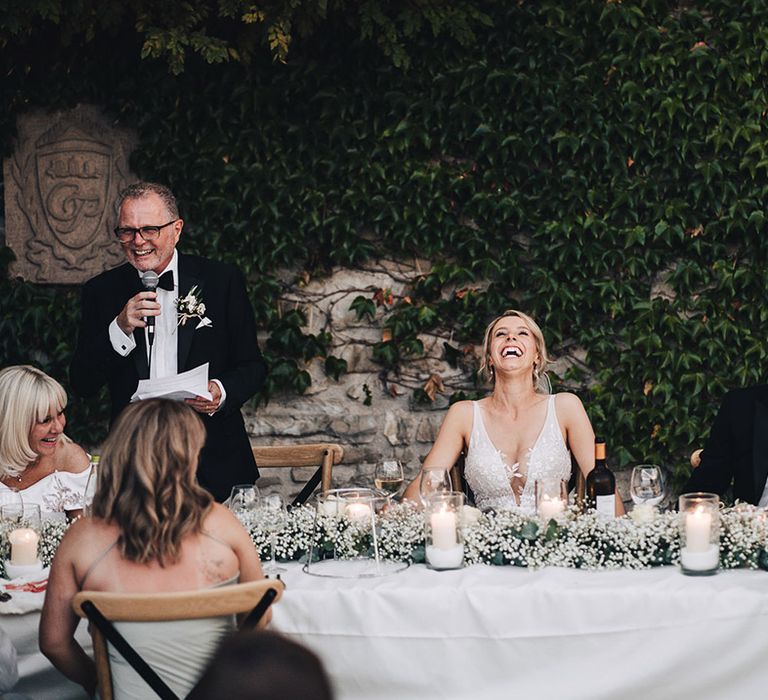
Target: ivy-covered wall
602, 165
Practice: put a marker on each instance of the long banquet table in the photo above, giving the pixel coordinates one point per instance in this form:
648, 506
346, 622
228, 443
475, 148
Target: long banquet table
500, 632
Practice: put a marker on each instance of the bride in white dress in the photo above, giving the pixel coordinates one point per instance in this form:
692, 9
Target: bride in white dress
519, 433
38, 463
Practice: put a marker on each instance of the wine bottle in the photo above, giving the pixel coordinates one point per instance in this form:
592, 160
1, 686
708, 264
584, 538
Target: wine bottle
601, 484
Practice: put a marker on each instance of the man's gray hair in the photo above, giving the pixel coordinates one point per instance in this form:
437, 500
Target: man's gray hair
141, 189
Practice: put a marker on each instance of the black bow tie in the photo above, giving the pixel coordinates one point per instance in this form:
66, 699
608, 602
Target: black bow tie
166, 281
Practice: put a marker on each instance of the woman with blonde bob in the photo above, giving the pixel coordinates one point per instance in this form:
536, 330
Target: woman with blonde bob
153, 529
521, 432
37, 461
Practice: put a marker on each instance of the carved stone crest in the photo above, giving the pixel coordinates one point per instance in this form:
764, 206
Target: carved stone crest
61, 186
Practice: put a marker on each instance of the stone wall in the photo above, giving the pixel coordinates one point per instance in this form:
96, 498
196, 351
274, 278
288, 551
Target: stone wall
390, 424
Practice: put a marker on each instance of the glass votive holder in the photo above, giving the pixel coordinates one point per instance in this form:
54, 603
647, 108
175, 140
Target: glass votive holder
443, 535
360, 510
551, 497
699, 533
21, 527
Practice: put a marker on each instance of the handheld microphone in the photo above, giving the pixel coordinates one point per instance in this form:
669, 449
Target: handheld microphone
149, 280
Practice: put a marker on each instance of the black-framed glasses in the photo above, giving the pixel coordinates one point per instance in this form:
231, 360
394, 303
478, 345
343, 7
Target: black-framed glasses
148, 233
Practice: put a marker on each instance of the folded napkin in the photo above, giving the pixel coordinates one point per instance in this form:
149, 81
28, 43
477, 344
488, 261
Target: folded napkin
27, 593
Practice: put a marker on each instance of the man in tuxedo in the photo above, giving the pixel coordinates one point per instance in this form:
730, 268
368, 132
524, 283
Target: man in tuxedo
736, 452
115, 344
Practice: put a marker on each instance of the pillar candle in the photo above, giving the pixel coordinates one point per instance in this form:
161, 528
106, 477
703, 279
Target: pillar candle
698, 525
23, 546
443, 529
550, 507
358, 512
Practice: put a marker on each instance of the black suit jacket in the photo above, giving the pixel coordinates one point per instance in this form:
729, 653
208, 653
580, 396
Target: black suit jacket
229, 345
737, 449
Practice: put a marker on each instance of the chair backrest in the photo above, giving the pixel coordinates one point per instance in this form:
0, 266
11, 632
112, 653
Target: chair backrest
162, 607
577, 483
321, 454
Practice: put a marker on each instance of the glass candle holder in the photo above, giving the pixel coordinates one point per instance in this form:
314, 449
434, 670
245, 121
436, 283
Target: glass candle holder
443, 535
361, 510
699, 533
551, 497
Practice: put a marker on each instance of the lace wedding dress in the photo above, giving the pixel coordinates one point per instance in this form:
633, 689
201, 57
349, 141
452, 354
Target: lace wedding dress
490, 476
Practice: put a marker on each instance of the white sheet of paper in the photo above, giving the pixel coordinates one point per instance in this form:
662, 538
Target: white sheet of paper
178, 387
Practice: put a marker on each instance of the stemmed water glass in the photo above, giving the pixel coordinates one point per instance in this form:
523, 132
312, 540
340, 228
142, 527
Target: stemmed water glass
274, 514
647, 484
244, 498
434, 481
388, 476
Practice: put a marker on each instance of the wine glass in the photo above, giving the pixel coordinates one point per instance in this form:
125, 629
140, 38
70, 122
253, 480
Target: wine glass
21, 515
434, 481
244, 498
388, 476
274, 515
647, 484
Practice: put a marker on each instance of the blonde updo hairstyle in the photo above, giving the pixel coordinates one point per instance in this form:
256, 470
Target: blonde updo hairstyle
27, 396
147, 482
539, 377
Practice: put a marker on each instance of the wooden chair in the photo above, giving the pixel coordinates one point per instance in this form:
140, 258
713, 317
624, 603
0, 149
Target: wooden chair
322, 455
458, 482
102, 608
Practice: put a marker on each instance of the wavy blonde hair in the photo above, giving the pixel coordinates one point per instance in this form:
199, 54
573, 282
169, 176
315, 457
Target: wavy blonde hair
538, 377
27, 396
147, 482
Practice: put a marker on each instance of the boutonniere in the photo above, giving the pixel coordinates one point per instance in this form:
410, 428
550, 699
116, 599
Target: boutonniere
192, 306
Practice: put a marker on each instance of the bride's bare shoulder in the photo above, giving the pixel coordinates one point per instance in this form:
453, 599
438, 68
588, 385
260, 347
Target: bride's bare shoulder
568, 405
461, 410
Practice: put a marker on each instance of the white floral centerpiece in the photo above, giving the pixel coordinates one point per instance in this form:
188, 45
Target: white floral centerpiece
582, 541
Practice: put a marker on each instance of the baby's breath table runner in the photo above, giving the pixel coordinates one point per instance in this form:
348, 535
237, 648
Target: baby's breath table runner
581, 541
643, 539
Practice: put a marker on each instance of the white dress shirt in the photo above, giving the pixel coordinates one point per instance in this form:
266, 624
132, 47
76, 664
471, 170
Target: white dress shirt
165, 355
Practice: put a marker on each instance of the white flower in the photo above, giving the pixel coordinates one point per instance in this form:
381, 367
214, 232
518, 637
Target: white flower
643, 513
470, 515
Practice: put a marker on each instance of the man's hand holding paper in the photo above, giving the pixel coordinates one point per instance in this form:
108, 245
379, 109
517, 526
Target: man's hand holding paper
191, 386
207, 404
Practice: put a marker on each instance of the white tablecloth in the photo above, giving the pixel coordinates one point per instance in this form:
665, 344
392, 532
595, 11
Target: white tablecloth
38, 679
502, 632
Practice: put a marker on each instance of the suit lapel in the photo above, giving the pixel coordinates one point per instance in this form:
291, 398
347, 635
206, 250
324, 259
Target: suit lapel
188, 278
760, 448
